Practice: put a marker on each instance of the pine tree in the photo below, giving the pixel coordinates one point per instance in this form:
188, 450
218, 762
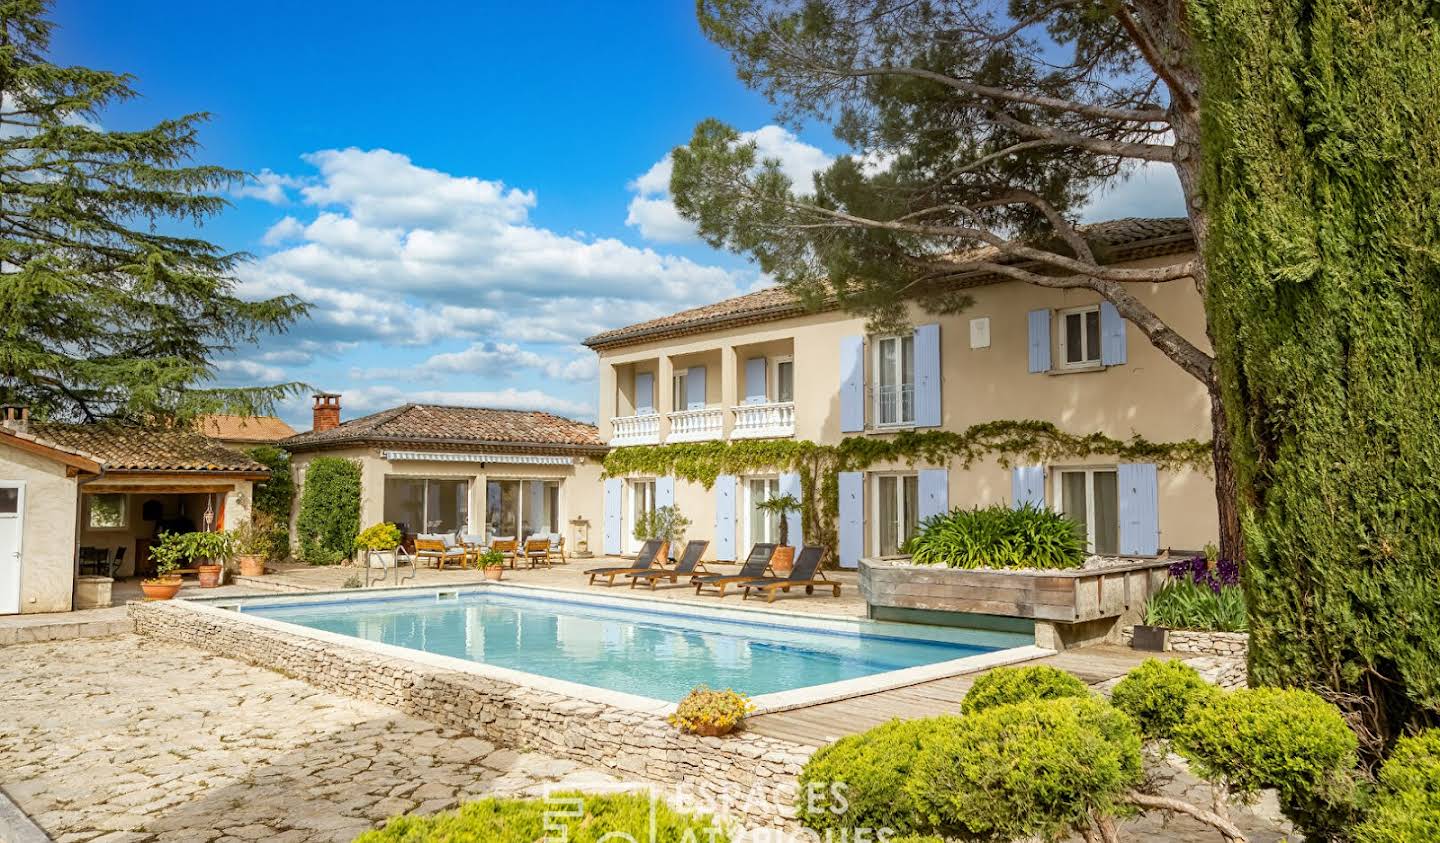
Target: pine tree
104, 313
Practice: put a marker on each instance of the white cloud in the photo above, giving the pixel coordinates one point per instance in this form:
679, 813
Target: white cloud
370, 399
268, 186
495, 360
653, 214
248, 372
288, 229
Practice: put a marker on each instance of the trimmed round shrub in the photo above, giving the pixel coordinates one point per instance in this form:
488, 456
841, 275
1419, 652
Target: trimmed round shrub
586, 819
1032, 769
1006, 685
1258, 738
859, 781
1407, 805
1159, 696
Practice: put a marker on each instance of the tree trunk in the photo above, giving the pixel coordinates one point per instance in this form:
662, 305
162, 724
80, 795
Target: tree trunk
1227, 502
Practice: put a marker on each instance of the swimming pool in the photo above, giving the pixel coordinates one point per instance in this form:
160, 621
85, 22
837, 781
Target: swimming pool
632, 646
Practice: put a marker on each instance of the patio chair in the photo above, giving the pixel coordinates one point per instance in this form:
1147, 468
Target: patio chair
116, 562
806, 573
756, 564
537, 551
507, 546
432, 548
645, 561
688, 566
557, 549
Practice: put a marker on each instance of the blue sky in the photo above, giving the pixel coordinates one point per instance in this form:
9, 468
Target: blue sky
463, 191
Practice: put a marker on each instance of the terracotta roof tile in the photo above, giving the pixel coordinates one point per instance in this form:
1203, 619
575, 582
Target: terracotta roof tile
121, 447
439, 424
244, 428
1128, 239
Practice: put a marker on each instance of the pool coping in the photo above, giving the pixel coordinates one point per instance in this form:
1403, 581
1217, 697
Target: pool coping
764, 703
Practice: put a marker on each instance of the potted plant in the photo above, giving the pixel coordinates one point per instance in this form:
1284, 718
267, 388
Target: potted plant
253, 540
215, 549
711, 713
167, 555
377, 543
782, 506
492, 562
665, 523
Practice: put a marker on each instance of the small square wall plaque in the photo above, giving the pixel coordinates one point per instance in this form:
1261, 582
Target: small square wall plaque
980, 332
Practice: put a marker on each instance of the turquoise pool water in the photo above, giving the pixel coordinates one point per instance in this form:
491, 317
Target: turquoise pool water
658, 654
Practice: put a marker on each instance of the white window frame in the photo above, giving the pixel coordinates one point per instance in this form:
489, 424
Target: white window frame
484, 482
899, 504
1084, 362
775, 364
876, 343
631, 487
124, 512
469, 481
1057, 496
680, 391
772, 482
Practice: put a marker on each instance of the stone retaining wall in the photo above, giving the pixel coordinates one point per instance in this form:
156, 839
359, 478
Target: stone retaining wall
1232, 645
748, 775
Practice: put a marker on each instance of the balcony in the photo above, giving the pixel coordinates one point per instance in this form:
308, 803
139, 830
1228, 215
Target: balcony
697, 425
764, 421
895, 405
635, 430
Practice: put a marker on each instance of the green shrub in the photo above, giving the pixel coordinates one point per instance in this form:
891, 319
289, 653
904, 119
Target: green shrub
274, 495
1280, 738
329, 516
1041, 768
1160, 695
1006, 685
382, 536
1183, 604
595, 819
859, 781
999, 537
1407, 805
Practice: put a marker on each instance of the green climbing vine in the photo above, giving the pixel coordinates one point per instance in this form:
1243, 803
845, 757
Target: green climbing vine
819, 465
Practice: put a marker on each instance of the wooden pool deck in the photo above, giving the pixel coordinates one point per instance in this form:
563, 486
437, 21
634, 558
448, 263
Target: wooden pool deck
818, 725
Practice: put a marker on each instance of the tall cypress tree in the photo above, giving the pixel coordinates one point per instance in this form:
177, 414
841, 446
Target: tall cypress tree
1321, 133
110, 307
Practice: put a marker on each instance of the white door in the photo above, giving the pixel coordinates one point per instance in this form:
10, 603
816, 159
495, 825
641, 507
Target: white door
12, 517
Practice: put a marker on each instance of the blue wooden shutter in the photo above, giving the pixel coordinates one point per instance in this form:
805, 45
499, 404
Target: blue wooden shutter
725, 518
644, 393
664, 491
852, 518
1139, 509
1027, 485
695, 388
790, 485
1039, 341
934, 486
755, 380
927, 375
614, 494
1112, 335
852, 384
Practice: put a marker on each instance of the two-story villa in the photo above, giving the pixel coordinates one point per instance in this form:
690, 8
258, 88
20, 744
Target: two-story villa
761, 366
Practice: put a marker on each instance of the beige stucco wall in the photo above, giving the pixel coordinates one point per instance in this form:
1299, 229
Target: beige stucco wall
581, 489
1148, 395
47, 551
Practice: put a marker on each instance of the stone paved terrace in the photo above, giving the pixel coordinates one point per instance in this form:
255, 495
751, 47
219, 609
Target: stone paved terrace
130, 739
570, 577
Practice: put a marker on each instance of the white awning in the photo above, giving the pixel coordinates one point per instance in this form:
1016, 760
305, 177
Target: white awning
451, 456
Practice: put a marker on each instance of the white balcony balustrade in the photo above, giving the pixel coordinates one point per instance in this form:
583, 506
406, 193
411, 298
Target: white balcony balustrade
763, 421
696, 425
635, 430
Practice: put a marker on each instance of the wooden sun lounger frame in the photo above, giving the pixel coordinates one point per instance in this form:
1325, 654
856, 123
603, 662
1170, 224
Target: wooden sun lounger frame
719, 584
655, 575
611, 573
784, 584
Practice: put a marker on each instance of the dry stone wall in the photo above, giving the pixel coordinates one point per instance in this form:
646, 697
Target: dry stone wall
751, 777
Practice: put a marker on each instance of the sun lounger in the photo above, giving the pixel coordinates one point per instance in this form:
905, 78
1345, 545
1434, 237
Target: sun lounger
689, 565
806, 574
644, 562
756, 564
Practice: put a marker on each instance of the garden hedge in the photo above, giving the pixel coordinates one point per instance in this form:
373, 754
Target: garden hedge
329, 518
564, 816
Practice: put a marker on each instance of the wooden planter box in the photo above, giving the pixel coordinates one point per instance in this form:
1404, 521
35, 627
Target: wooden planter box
1069, 607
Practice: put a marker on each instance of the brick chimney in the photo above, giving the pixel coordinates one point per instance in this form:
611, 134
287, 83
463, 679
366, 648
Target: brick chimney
326, 412
16, 417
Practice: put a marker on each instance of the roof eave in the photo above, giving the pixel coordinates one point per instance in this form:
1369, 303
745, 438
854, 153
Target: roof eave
364, 439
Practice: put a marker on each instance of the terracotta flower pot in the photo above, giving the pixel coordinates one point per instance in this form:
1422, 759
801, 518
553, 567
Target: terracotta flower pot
712, 730
494, 573
209, 575
172, 579
782, 560
160, 589
252, 566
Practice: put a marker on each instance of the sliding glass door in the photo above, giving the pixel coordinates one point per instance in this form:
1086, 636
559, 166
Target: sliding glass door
423, 505
522, 508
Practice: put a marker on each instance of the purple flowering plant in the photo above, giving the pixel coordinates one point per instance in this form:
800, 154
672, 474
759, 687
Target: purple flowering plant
1197, 569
